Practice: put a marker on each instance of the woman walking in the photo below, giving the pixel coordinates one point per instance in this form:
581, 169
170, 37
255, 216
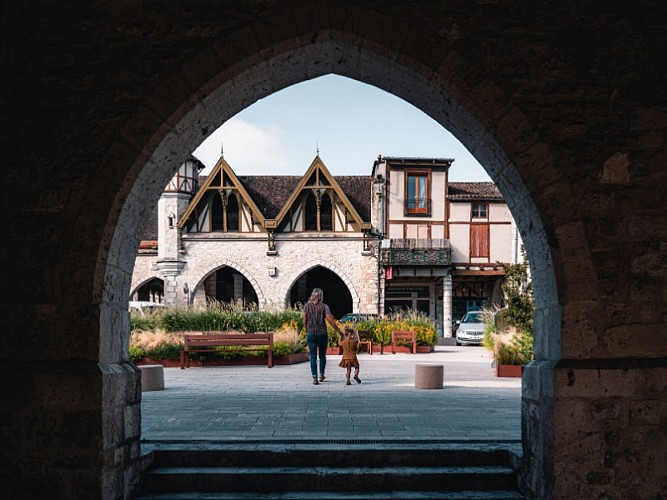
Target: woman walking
315, 315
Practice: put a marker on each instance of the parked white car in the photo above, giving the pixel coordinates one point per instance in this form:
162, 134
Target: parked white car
471, 329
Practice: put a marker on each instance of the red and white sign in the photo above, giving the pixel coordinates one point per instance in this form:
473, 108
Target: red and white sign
388, 273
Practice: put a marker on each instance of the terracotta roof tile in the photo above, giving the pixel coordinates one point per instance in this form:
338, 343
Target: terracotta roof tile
473, 191
269, 192
357, 188
150, 233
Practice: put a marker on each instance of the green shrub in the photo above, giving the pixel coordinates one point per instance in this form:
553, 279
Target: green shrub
165, 351
425, 333
136, 353
223, 317
143, 323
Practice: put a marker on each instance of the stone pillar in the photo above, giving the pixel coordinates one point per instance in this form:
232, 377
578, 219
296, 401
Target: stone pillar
174, 291
447, 306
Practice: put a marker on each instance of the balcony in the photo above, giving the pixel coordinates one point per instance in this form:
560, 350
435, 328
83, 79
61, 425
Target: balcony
415, 252
420, 207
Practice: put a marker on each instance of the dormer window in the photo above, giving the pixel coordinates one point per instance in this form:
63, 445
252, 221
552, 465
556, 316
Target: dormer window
417, 193
224, 213
319, 216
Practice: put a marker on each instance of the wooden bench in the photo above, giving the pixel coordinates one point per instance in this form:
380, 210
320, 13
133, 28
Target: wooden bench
205, 342
403, 336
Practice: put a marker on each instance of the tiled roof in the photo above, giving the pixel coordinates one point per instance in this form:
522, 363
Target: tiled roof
473, 191
357, 188
271, 192
416, 159
150, 233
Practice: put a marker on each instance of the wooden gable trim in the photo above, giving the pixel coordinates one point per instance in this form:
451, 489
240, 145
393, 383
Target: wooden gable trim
318, 168
222, 169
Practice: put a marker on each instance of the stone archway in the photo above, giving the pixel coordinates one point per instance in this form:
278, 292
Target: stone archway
421, 85
565, 107
338, 293
203, 269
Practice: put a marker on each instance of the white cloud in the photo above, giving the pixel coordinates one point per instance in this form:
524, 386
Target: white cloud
250, 149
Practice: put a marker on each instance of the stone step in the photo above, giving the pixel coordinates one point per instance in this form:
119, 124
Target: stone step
339, 495
354, 478
330, 457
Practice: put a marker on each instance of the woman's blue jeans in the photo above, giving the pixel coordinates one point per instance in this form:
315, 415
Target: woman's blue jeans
317, 346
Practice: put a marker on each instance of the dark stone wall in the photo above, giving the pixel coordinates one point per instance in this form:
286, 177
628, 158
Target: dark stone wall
566, 106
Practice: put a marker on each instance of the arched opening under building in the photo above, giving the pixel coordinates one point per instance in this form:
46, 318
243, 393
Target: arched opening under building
151, 291
228, 286
336, 294
429, 96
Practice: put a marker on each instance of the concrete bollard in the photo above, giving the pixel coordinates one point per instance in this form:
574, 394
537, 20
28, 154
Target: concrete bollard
429, 376
152, 378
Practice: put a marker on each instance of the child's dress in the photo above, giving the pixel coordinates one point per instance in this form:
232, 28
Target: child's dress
349, 354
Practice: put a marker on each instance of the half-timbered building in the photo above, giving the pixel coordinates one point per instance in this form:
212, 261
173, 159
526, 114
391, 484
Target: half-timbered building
402, 238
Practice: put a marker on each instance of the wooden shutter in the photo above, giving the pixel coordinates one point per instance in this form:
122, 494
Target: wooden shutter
479, 240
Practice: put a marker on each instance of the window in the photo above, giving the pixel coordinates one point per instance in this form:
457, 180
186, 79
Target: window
326, 213
479, 240
480, 210
417, 193
311, 213
217, 214
319, 218
225, 213
232, 214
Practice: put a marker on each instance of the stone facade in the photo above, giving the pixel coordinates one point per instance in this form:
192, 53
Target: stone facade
565, 106
342, 255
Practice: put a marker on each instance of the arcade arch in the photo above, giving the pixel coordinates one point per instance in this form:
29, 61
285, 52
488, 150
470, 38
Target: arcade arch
337, 294
497, 130
207, 275
151, 290
568, 120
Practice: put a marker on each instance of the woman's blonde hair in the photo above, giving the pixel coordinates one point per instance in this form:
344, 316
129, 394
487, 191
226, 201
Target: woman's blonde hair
317, 296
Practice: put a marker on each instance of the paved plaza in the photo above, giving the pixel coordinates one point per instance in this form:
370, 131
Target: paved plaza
281, 403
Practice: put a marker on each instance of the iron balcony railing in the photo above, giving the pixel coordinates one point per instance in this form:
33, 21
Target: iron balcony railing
416, 252
417, 207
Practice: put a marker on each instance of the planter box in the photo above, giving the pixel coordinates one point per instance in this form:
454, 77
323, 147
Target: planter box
509, 370
334, 350
421, 349
288, 359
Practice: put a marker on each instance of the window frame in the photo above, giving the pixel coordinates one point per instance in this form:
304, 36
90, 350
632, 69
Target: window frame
478, 205
419, 211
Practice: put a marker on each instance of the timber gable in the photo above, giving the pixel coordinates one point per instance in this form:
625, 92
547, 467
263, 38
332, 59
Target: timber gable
318, 203
222, 204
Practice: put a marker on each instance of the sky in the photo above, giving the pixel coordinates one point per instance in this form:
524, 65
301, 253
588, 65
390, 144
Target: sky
350, 122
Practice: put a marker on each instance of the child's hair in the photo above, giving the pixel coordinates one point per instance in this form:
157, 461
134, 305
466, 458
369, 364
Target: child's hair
349, 330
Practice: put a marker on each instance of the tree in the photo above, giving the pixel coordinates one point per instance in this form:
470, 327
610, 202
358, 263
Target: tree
518, 296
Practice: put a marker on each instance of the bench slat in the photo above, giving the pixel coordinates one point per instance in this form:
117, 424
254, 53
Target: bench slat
228, 339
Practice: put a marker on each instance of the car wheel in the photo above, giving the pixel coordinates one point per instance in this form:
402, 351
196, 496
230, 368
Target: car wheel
458, 343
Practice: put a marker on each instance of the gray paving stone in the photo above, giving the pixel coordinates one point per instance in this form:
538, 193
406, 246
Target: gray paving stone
250, 403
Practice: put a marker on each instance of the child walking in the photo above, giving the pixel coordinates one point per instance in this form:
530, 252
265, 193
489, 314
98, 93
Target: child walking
349, 345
